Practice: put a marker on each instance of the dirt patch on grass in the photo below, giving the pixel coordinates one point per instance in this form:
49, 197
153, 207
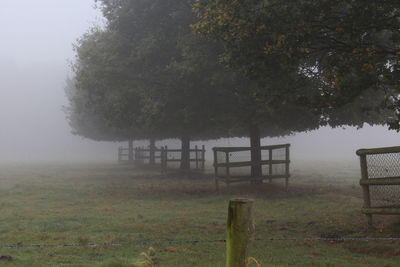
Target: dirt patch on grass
6, 258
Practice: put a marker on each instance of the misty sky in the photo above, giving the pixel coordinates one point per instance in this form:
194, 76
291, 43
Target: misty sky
35, 50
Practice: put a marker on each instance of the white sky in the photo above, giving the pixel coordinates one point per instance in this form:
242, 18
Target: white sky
36, 40
35, 48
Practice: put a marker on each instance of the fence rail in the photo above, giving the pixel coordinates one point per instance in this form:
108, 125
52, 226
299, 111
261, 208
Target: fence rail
163, 157
234, 164
197, 157
148, 156
123, 155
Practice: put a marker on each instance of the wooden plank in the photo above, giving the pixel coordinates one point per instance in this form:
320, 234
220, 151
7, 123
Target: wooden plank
247, 178
251, 163
173, 160
380, 150
235, 149
148, 150
385, 211
180, 150
381, 181
365, 188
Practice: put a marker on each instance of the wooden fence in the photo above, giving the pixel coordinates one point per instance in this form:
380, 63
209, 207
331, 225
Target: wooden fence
143, 156
380, 180
123, 155
171, 158
233, 164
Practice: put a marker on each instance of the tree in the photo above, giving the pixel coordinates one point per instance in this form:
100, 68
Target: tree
312, 59
194, 97
147, 71
346, 50
179, 88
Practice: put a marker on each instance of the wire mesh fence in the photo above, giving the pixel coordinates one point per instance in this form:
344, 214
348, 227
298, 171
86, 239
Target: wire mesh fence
380, 180
381, 166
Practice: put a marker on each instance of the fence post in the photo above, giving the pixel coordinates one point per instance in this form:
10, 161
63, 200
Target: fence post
136, 156
119, 154
365, 187
238, 231
203, 158
197, 157
287, 167
270, 164
162, 159
216, 169
228, 172
166, 157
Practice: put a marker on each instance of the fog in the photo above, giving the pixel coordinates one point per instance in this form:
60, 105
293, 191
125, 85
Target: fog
35, 51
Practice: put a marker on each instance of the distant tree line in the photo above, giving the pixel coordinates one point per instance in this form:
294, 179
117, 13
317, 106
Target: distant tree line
206, 69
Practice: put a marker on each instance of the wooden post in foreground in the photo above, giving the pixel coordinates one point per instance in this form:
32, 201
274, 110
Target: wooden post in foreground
238, 233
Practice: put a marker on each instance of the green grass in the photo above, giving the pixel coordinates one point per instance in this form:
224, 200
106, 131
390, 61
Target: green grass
109, 203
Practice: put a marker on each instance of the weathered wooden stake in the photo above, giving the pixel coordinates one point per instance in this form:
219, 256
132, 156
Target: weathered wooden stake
238, 233
203, 158
287, 168
216, 169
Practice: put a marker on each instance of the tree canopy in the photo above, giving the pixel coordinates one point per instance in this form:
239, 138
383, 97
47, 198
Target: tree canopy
85, 122
338, 52
288, 66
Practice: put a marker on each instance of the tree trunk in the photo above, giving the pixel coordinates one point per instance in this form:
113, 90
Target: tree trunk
185, 158
130, 150
152, 151
255, 144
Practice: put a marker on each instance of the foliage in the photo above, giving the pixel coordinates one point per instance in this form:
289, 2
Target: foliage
101, 75
334, 51
176, 72
83, 119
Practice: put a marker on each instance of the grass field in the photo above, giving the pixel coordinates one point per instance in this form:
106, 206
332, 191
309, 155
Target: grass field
106, 203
